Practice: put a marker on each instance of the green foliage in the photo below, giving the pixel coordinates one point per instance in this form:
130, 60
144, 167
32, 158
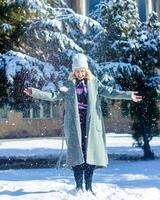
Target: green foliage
104, 107
20, 100
118, 18
3, 84
13, 17
125, 108
146, 54
131, 41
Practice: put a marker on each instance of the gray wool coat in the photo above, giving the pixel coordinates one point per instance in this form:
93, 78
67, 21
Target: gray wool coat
96, 145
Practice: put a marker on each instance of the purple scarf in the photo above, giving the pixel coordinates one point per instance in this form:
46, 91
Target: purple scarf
81, 90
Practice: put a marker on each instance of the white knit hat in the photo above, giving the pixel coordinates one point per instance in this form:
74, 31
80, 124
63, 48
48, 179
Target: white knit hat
79, 60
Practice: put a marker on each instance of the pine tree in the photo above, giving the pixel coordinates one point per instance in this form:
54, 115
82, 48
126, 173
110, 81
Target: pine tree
128, 40
52, 36
13, 16
3, 81
118, 18
147, 56
143, 45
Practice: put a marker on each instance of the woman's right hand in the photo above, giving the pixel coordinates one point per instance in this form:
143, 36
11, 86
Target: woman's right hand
63, 89
28, 91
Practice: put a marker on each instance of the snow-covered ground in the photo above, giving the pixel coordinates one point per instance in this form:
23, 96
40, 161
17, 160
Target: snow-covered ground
40, 147
122, 179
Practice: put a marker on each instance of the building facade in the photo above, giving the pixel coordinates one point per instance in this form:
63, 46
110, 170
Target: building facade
147, 6
43, 119
41, 122
79, 6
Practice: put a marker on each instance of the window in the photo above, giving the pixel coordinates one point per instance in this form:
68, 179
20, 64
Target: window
26, 112
55, 110
42, 109
146, 7
3, 111
36, 111
46, 109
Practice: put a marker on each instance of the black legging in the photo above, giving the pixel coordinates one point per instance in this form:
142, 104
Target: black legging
82, 115
84, 169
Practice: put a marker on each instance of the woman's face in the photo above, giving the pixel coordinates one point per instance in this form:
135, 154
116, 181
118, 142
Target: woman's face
80, 73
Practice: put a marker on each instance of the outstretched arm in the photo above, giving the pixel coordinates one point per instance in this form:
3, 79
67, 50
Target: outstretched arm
38, 94
111, 93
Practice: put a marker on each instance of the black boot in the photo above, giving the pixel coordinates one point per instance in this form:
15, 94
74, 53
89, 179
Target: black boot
88, 175
91, 191
88, 187
78, 175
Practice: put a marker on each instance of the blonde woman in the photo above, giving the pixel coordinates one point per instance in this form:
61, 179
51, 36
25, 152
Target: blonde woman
83, 127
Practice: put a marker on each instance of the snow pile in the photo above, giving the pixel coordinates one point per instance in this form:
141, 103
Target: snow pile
122, 180
62, 190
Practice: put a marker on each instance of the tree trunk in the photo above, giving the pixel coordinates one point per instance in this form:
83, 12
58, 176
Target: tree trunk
148, 154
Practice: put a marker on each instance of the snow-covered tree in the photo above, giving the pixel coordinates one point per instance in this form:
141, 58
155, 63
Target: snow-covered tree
55, 39
142, 47
149, 55
52, 36
13, 16
128, 40
22, 71
122, 76
118, 18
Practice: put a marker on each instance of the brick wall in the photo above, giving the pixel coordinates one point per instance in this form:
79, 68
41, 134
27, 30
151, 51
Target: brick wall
16, 127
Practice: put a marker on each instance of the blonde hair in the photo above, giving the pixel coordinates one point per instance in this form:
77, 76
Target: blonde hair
89, 75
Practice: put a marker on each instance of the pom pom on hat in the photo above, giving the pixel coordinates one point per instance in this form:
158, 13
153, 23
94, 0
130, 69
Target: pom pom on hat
79, 60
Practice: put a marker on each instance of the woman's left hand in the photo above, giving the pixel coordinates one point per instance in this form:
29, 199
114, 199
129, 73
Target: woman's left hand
136, 98
28, 91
